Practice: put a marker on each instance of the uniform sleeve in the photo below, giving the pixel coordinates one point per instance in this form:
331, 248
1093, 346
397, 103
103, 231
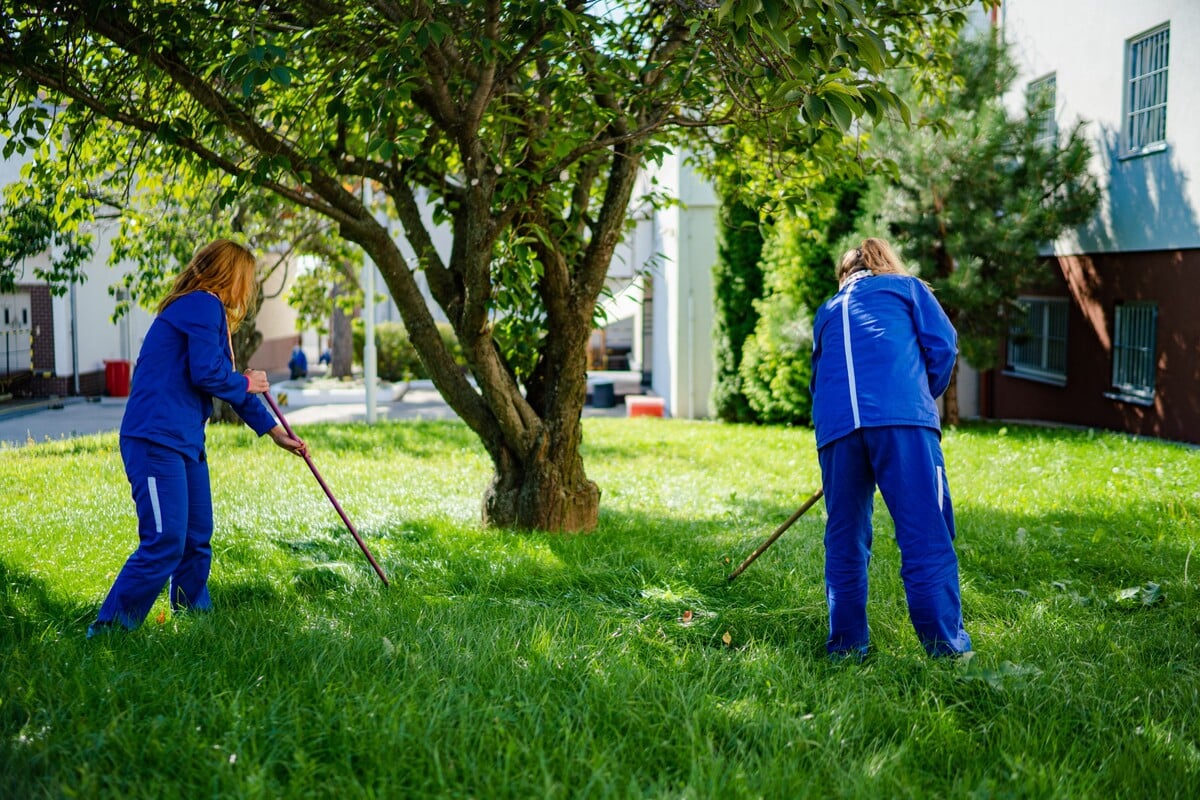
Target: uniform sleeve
936, 337
255, 414
209, 366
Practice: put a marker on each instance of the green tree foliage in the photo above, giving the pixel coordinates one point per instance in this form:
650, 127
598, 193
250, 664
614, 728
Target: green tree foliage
799, 275
159, 212
40, 217
775, 360
521, 124
973, 208
398, 359
737, 283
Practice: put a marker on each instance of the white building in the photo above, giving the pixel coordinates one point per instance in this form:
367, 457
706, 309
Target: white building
64, 345
1117, 344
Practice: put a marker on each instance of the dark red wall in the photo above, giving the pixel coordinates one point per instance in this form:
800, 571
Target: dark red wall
1097, 283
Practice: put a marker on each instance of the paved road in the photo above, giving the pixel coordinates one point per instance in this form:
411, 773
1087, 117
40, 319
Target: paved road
75, 416
20, 425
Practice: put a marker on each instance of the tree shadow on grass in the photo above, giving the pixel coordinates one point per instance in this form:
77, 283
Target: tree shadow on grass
414, 438
28, 606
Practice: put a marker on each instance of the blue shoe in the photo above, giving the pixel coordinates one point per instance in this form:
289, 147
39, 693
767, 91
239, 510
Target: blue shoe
853, 655
100, 627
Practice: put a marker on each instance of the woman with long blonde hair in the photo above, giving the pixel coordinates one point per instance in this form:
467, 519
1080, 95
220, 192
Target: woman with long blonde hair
186, 360
883, 350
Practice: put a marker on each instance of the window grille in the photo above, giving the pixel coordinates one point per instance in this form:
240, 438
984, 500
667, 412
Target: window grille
1037, 343
1146, 97
1133, 349
1042, 97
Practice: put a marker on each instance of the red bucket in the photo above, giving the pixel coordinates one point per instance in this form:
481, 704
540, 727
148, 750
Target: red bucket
116, 378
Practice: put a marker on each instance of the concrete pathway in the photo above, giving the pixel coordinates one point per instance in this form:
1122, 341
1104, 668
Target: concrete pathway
65, 418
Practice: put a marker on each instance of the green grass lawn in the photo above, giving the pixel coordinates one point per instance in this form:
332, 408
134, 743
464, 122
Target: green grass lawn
503, 665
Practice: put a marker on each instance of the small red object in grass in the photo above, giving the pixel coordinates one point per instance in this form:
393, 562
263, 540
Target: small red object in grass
687, 616
161, 618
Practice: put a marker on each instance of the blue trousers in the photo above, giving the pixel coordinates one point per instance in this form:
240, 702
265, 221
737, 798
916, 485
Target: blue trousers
906, 463
175, 523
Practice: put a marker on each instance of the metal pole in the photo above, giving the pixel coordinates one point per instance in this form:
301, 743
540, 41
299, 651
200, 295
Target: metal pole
778, 532
370, 357
337, 506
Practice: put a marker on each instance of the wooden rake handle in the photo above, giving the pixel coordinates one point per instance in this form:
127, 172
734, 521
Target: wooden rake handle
337, 506
817, 495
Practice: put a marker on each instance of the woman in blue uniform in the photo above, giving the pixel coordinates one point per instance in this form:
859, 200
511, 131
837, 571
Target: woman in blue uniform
185, 361
883, 349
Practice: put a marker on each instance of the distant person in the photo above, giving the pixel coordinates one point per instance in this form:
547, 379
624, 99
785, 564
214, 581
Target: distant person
298, 364
883, 349
326, 357
186, 360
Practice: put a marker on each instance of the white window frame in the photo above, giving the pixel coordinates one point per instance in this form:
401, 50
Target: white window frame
1045, 326
1039, 91
1147, 58
1134, 348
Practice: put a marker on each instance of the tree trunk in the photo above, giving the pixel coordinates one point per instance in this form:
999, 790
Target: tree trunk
950, 399
341, 339
542, 494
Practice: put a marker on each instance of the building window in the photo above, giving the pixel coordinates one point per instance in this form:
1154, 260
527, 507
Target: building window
1133, 350
1037, 343
1041, 96
1146, 95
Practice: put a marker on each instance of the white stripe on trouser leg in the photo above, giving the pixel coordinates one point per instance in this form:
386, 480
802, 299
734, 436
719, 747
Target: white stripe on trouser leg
152, 485
941, 491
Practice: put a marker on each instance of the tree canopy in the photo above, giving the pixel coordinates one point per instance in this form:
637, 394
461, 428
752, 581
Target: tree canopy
522, 125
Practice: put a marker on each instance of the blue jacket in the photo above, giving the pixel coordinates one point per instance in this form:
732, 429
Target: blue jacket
183, 364
883, 349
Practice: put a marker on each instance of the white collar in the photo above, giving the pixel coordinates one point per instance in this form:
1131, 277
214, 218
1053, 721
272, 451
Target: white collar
855, 276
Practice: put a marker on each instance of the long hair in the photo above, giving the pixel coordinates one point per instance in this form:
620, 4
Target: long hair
224, 268
874, 255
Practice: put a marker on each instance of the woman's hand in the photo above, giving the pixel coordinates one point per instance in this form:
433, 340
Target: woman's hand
256, 381
279, 435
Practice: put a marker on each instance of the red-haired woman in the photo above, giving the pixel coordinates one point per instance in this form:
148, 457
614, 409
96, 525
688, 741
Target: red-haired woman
186, 360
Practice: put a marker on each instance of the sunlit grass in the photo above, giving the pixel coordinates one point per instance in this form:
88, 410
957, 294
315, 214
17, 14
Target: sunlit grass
616, 664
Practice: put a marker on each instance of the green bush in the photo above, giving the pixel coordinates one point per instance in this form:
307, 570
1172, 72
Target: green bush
396, 357
777, 363
737, 284
776, 357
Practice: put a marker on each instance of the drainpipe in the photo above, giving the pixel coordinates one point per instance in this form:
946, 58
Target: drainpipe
691, 352
369, 355
74, 339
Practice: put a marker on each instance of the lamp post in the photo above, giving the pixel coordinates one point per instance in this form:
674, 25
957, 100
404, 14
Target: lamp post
370, 359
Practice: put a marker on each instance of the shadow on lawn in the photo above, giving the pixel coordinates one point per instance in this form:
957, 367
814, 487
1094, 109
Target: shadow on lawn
27, 606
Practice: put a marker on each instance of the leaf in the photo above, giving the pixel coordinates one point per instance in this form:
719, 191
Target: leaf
1148, 595
843, 115
281, 75
814, 109
727, 639
1007, 675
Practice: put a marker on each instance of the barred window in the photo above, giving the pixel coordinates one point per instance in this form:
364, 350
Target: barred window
1037, 343
1041, 98
1146, 95
1133, 349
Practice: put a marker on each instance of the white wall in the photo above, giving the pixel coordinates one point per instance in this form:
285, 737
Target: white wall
89, 311
1151, 201
683, 297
